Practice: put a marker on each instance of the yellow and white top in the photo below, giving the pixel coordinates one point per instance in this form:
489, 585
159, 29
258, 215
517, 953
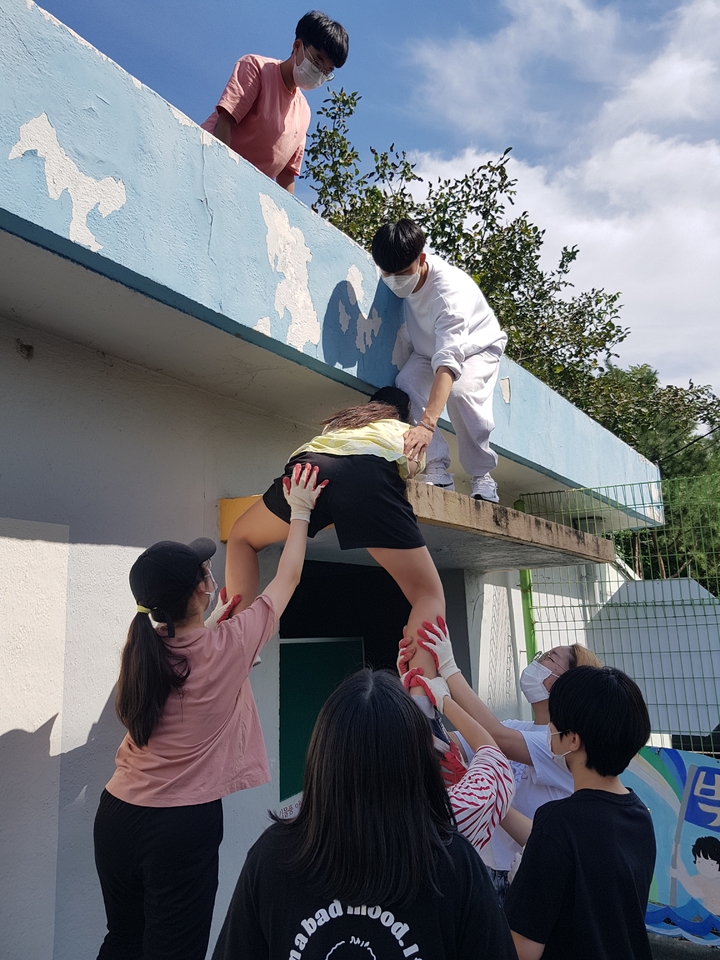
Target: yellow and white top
383, 438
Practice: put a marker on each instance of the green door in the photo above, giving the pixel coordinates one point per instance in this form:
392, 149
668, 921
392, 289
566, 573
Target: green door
310, 669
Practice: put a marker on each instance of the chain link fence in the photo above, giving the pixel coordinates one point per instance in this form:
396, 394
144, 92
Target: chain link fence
655, 611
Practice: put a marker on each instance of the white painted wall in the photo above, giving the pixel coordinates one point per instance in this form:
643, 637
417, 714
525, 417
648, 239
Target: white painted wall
99, 459
33, 593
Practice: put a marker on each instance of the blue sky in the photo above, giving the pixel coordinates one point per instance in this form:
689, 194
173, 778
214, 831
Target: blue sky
612, 110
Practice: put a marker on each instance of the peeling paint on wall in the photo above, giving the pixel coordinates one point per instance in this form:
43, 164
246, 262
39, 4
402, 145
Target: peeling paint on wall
402, 348
263, 326
62, 173
289, 255
181, 117
367, 327
354, 281
344, 317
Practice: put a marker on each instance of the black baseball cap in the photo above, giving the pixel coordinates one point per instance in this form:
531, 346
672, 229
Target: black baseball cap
168, 571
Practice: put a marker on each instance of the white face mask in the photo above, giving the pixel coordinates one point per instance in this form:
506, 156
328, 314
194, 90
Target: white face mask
307, 76
559, 758
402, 286
531, 682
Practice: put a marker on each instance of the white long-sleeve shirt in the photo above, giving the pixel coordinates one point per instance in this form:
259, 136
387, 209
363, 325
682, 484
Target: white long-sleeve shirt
449, 319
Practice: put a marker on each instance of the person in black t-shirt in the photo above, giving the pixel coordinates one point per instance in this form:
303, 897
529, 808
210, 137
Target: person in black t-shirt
372, 866
582, 887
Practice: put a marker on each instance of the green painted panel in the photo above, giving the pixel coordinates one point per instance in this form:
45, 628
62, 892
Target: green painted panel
309, 672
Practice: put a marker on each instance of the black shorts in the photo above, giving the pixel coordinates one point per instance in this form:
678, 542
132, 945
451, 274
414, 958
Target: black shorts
365, 499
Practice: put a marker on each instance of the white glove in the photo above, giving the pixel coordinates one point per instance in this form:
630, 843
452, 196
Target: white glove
222, 609
435, 638
436, 689
301, 492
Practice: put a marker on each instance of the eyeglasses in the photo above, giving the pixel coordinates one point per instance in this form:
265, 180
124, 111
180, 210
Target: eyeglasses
541, 655
318, 66
552, 657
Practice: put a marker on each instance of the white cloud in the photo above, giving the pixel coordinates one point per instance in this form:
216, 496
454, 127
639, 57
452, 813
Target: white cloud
637, 187
681, 86
645, 214
491, 86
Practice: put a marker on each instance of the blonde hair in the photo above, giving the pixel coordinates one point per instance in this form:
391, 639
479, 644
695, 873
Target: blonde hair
580, 656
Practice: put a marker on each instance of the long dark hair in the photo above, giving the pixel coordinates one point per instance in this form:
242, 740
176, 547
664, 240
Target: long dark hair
387, 403
150, 670
375, 818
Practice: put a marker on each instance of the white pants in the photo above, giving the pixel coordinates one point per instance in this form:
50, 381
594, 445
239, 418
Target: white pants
470, 406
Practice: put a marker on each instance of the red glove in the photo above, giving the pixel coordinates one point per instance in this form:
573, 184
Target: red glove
406, 651
223, 609
452, 767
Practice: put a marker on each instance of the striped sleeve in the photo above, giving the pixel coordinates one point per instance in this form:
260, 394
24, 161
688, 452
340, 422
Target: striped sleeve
482, 798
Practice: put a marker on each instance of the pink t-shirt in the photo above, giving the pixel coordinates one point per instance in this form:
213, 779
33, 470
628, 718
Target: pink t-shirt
208, 742
270, 122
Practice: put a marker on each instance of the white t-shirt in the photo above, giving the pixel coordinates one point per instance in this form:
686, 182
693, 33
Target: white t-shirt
449, 319
535, 785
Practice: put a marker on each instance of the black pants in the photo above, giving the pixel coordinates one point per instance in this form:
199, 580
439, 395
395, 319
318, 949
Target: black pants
158, 869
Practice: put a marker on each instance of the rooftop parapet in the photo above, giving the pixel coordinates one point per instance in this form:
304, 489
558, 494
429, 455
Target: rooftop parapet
99, 169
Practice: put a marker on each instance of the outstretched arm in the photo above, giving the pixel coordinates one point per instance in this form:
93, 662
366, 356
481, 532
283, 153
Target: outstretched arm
418, 438
435, 639
511, 742
289, 570
475, 734
301, 493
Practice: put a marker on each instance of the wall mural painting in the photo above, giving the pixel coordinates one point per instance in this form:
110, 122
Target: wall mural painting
682, 792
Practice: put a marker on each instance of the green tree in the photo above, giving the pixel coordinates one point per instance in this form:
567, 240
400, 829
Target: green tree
660, 422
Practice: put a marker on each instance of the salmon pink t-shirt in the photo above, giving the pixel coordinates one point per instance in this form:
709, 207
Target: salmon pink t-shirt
208, 742
270, 122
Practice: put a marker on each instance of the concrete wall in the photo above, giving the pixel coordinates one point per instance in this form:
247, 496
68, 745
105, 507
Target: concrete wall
99, 168
34, 558
497, 641
100, 459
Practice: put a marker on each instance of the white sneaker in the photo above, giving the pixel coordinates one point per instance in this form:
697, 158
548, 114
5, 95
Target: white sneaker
444, 480
485, 488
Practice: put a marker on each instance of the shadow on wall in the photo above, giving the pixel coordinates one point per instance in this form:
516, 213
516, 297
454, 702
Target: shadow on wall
28, 836
47, 807
363, 343
79, 911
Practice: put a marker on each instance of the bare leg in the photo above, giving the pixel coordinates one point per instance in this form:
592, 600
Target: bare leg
416, 575
256, 528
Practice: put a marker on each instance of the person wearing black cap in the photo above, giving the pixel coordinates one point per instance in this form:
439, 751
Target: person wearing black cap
361, 451
193, 737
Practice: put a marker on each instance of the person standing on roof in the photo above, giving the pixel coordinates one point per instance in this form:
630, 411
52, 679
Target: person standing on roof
457, 344
262, 114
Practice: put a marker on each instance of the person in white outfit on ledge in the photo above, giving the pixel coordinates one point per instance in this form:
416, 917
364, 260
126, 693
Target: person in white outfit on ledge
457, 344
